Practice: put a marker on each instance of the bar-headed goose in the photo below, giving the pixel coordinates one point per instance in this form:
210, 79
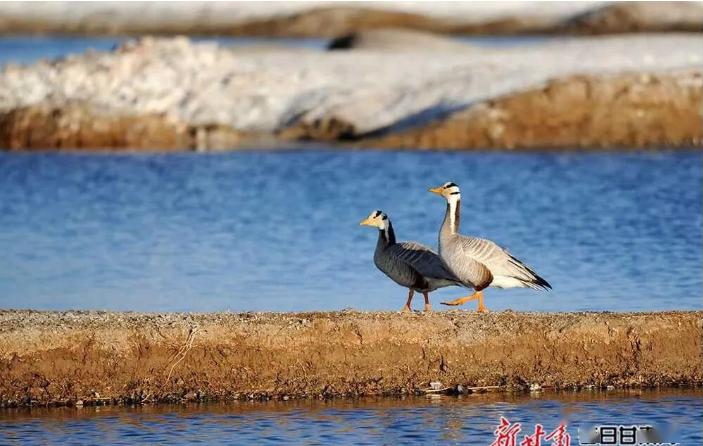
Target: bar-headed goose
477, 262
409, 264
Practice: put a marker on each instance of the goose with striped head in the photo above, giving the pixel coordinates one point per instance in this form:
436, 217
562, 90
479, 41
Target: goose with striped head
478, 263
409, 264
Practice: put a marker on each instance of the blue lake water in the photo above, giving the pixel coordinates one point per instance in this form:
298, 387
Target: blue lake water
24, 49
279, 230
442, 420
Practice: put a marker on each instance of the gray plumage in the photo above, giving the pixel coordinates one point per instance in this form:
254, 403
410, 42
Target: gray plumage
410, 264
478, 262
413, 265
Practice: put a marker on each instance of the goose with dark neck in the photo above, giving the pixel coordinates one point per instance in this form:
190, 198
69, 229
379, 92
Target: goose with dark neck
478, 263
386, 236
409, 264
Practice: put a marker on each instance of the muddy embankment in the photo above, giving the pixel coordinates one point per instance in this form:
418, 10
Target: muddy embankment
330, 19
579, 112
102, 358
385, 89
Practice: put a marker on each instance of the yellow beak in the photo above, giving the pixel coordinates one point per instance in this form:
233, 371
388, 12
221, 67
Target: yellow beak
436, 190
366, 222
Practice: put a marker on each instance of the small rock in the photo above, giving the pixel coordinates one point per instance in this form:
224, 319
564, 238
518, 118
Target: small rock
79, 403
396, 40
436, 385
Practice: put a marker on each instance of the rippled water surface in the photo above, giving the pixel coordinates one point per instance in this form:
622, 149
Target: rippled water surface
444, 420
279, 230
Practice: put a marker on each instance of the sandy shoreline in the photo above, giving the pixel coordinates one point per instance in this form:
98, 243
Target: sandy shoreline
60, 358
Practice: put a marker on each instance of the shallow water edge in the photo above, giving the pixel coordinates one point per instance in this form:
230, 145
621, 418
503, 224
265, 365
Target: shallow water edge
432, 419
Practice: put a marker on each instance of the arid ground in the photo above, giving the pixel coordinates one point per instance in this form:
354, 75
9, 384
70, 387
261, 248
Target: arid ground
79, 357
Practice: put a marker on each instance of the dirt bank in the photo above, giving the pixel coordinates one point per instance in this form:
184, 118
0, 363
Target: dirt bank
64, 357
79, 126
628, 111
581, 112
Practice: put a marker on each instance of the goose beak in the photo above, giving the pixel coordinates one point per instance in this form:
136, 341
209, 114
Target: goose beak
366, 222
436, 190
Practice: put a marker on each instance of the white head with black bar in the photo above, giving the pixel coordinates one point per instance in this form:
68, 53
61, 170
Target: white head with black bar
380, 220
451, 192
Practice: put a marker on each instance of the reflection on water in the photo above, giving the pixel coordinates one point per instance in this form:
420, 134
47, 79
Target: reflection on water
443, 420
279, 230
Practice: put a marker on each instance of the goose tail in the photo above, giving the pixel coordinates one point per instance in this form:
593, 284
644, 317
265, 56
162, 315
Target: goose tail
532, 279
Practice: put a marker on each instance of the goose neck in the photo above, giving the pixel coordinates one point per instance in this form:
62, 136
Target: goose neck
386, 235
452, 217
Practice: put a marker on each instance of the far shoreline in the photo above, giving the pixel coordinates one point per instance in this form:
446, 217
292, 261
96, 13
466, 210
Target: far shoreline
541, 97
284, 148
288, 402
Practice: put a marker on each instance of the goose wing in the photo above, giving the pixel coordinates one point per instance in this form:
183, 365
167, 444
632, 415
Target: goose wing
422, 259
500, 262
398, 269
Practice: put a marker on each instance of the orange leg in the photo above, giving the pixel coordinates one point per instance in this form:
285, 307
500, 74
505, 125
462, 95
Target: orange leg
481, 307
462, 300
428, 307
407, 306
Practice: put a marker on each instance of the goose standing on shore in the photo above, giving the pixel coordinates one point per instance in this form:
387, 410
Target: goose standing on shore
477, 262
409, 264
